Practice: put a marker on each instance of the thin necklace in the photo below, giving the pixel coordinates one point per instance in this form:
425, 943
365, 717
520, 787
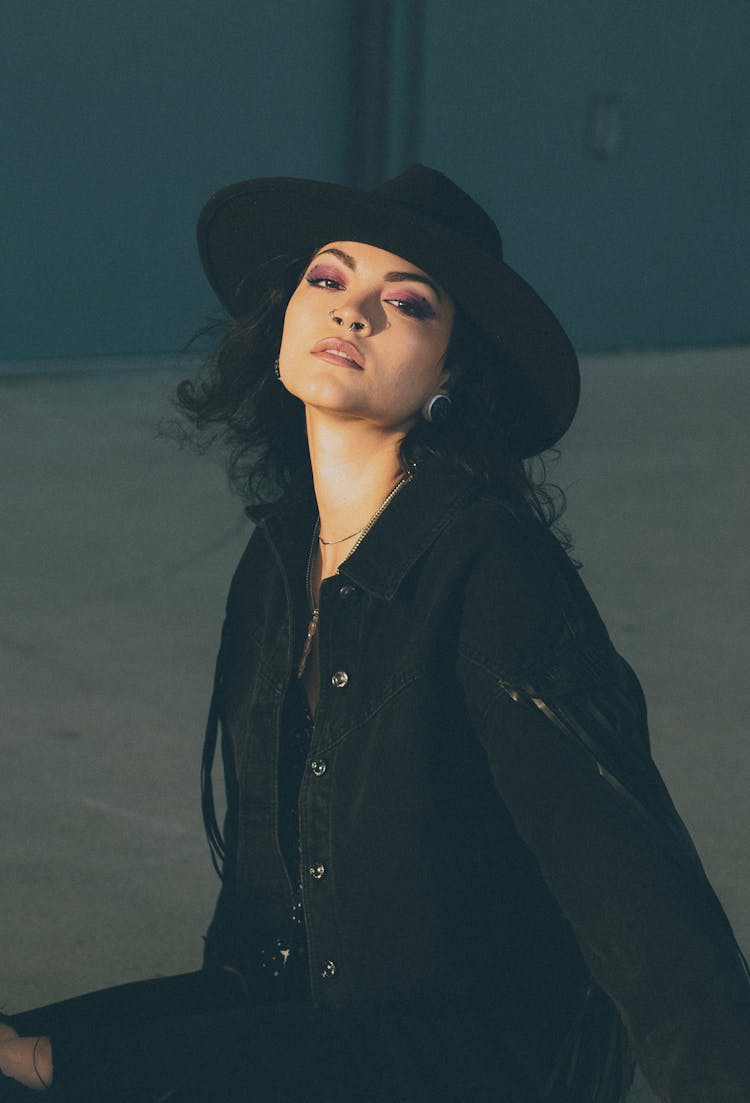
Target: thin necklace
314, 609
341, 539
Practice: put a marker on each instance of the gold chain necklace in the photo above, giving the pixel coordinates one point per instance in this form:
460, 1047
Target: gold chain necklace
315, 610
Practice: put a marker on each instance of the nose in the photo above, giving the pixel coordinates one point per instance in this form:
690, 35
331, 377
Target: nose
350, 317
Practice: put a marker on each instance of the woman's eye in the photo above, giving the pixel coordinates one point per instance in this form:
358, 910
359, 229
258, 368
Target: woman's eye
413, 308
325, 277
324, 281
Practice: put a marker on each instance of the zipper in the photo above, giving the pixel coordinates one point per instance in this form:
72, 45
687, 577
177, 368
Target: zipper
296, 895
279, 713
601, 769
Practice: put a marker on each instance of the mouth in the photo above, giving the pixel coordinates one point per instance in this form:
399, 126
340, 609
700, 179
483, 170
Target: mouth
334, 350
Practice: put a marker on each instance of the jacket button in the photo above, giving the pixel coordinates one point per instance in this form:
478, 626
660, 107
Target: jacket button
339, 679
348, 593
318, 766
317, 872
328, 969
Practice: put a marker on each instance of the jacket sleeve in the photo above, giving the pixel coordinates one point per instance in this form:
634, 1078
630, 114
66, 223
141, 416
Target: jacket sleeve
565, 735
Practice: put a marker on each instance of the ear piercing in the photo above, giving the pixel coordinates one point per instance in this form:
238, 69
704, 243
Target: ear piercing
437, 409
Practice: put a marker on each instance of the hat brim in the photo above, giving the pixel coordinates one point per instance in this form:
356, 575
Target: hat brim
244, 227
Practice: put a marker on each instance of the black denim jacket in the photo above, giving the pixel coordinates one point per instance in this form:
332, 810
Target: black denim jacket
488, 831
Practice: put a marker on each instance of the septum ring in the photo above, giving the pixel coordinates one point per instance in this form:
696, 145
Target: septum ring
340, 321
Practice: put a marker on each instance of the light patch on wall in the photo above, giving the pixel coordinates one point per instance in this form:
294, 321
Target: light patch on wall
604, 126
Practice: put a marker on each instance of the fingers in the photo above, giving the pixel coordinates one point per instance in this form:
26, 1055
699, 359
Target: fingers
27, 1060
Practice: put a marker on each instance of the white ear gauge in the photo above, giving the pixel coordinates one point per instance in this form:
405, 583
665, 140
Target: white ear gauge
437, 408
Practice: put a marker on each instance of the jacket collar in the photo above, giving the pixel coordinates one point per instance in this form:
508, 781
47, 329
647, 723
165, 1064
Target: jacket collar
410, 524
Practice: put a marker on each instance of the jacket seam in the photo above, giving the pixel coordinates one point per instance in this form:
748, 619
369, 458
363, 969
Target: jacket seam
408, 677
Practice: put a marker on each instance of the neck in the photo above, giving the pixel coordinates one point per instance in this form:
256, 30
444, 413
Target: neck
355, 466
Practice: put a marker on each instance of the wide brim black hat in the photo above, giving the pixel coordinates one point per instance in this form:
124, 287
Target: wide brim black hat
428, 220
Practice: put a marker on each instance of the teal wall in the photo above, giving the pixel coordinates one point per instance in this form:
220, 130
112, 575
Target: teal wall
649, 247
118, 120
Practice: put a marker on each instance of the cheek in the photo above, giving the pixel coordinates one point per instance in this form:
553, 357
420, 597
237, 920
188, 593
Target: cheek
424, 365
291, 321
294, 339
416, 380
300, 312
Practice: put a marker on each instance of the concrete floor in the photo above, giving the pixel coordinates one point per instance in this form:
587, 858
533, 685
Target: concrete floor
117, 551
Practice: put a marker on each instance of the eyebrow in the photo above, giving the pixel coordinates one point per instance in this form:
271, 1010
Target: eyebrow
390, 277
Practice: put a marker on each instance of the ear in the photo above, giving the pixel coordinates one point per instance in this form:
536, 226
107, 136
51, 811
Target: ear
444, 380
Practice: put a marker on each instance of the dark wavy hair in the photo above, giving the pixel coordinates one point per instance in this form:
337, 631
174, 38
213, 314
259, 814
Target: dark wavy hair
237, 401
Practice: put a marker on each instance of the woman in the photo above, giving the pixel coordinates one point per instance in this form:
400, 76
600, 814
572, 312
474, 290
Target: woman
450, 868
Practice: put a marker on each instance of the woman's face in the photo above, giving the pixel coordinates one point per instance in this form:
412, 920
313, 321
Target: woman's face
365, 336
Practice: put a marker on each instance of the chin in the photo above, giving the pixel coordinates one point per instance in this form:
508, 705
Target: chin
328, 393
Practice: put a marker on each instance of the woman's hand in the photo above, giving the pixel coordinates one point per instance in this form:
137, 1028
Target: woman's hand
7, 1032
27, 1060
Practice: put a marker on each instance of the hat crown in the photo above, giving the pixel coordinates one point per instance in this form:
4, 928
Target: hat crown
430, 194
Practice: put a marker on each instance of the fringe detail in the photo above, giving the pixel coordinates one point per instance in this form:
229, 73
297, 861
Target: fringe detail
594, 1061
213, 831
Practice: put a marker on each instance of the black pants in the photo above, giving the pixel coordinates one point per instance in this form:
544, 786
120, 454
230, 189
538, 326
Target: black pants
195, 1038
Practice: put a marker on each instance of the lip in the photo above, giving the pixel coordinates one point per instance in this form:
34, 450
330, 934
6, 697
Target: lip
335, 351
